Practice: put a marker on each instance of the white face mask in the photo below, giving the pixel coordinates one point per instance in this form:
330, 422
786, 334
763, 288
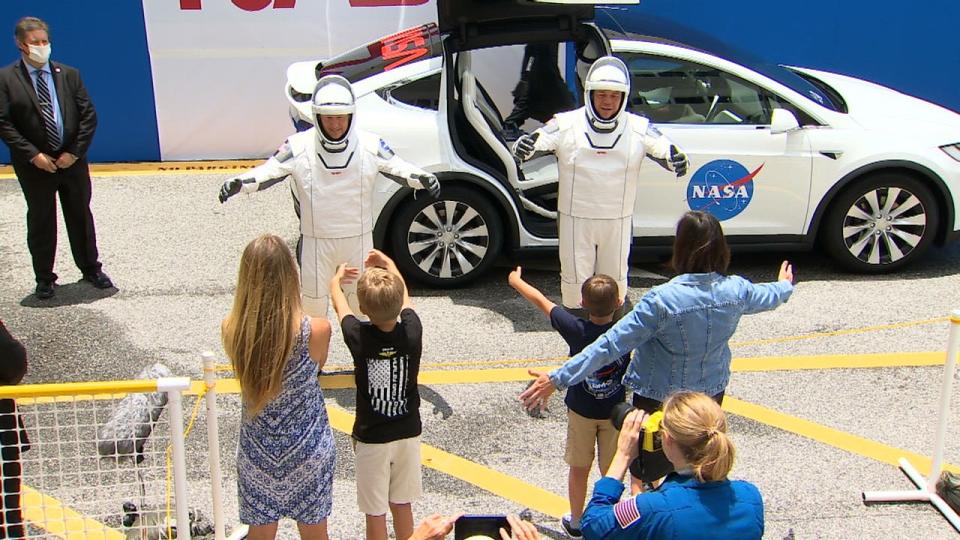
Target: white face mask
39, 53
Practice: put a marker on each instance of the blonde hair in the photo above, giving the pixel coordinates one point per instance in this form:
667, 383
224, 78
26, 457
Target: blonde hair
262, 328
697, 424
380, 294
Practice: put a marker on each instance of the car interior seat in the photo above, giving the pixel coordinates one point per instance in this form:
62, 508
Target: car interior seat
484, 119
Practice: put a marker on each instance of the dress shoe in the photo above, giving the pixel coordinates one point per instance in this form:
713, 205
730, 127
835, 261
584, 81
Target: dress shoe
99, 280
44, 290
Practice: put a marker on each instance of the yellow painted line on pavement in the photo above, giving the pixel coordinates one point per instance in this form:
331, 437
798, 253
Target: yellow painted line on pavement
498, 483
495, 482
52, 516
755, 364
833, 333
827, 435
153, 168
838, 361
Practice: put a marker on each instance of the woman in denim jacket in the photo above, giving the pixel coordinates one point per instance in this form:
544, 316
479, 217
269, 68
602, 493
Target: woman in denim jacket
679, 332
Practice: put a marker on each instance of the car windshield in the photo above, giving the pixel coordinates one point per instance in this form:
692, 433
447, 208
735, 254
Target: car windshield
629, 25
390, 52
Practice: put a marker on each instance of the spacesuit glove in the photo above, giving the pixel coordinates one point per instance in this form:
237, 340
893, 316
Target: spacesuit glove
430, 183
525, 146
678, 161
230, 188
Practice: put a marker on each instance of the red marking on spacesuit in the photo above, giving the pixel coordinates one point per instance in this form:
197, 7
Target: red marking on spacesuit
406, 46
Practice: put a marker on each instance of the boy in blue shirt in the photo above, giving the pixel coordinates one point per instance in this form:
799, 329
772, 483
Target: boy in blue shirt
590, 402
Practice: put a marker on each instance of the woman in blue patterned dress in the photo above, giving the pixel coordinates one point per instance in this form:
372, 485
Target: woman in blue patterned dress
285, 456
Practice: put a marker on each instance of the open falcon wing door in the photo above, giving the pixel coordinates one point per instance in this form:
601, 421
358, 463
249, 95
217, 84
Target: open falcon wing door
467, 25
476, 24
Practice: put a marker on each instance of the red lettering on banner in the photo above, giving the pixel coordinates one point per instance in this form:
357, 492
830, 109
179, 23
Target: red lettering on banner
406, 46
247, 5
382, 3
251, 5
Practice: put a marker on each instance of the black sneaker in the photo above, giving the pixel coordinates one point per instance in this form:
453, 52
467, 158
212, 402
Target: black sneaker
44, 290
570, 530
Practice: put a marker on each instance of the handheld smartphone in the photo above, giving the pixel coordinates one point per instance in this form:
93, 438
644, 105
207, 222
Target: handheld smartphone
480, 526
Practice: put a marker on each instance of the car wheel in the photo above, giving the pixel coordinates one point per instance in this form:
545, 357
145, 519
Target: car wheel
448, 241
881, 223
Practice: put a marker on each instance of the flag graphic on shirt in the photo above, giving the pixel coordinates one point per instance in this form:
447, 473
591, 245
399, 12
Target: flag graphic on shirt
626, 512
387, 383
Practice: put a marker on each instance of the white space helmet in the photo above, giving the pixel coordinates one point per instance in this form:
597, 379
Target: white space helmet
333, 96
607, 73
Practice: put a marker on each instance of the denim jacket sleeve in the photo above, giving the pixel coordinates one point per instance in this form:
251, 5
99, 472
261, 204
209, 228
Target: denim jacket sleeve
764, 296
632, 330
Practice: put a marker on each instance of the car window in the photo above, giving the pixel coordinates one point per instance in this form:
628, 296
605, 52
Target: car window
423, 93
671, 91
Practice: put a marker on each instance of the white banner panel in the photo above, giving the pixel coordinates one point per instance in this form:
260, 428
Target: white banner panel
219, 66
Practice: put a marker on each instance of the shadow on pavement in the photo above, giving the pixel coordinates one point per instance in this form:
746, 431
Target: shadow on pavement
70, 294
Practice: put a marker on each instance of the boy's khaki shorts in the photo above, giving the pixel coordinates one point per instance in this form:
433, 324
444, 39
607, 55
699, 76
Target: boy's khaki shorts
585, 433
387, 473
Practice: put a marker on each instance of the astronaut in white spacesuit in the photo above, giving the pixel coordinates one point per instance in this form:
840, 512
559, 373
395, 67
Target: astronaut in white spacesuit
333, 167
599, 148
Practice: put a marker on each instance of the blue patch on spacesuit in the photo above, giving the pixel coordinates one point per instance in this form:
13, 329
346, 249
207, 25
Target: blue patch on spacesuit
283, 153
385, 151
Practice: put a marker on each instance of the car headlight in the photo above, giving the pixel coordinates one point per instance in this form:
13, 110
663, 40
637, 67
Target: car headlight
299, 97
952, 150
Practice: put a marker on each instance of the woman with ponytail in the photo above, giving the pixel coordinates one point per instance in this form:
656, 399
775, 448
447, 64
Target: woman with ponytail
697, 501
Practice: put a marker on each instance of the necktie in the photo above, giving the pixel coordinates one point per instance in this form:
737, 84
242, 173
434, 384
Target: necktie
46, 107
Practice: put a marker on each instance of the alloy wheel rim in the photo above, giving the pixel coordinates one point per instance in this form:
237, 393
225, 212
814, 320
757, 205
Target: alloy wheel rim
448, 239
884, 225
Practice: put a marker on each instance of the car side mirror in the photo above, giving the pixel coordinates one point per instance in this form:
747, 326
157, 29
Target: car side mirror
782, 121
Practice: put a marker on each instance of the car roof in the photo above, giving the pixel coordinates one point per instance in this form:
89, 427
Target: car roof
635, 25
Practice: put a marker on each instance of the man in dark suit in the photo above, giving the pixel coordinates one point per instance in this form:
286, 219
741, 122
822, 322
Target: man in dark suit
47, 120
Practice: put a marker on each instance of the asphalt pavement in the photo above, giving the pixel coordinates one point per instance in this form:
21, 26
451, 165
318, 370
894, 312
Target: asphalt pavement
836, 389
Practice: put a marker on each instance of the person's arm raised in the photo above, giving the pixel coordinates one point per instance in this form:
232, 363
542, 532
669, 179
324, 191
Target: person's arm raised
344, 274
379, 259
531, 293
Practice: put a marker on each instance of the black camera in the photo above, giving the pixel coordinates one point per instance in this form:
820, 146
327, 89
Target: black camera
651, 464
650, 430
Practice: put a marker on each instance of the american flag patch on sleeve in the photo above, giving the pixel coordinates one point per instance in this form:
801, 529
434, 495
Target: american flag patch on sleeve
626, 512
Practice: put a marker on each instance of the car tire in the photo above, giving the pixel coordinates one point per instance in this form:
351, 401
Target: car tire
446, 242
881, 223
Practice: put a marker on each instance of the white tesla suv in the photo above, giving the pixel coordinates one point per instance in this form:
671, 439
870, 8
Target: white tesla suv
786, 158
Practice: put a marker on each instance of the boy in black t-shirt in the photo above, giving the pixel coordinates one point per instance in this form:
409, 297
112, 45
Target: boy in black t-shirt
589, 403
386, 360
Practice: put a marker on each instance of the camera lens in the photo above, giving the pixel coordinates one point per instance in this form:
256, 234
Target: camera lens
619, 414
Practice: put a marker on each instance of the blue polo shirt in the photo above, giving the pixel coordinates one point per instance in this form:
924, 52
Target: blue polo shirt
681, 507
